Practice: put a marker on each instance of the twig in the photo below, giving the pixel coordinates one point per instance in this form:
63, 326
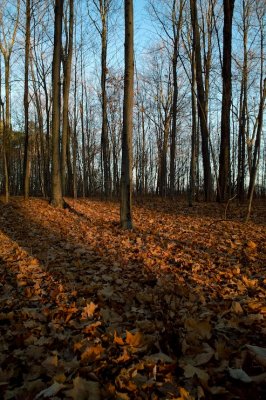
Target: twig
227, 204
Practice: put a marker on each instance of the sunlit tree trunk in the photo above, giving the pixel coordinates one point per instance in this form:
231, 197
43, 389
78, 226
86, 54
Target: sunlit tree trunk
67, 61
126, 167
201, 100
26, 163
104, 6
176, 26
56, 199
6, 48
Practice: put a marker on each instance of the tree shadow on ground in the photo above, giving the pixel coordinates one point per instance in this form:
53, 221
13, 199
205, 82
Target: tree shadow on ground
51, 273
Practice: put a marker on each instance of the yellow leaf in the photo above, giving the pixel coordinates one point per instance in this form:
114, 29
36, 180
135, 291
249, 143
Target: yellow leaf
251, 245
92, 353
236, 308
89, 310
134, 340
118, 340
124, 357
184, 394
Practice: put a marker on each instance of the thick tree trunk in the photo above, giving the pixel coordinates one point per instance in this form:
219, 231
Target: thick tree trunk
163, 163
224, 182
6, 134
201, 100
26, 162
67, 62
57, 199
174, 119
126, 167
192, 178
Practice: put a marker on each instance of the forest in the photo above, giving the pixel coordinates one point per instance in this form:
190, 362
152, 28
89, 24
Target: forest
132, 199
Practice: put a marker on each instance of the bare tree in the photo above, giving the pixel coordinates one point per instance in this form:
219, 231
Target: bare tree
201, 100
224, 183
56, 199
67, 62
6, 46
126, 167
26, 164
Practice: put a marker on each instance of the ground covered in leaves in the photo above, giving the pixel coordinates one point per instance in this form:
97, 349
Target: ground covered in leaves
174, 309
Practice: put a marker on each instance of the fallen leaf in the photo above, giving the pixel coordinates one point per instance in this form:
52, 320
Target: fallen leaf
92, 353
118, 340
239, 374
190, 371
84, 390
134, 340
89, 310
259, 353
51, 391
236, 307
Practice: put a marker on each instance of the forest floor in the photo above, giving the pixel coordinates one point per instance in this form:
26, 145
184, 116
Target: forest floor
174, 309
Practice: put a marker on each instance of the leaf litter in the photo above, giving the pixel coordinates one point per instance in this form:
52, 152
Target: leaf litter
174, 309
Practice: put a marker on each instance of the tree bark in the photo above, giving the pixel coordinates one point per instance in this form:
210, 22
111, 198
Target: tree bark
104, 5
126, 167
26, 162
201, 101
256, 153
57, 199
67, 62
224, 182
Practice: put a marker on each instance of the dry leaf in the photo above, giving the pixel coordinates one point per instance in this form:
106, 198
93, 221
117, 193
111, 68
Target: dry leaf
239, 374
92, 353
51, 391
184, 394
259, 353
190, 371
236, 307
89, 310
134, 340
84, 390
118, 340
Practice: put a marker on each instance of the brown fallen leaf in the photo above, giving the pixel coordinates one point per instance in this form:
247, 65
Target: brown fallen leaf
259, 353
236, 307
89, 310
51, 390
190, 371
92, 353
134, 340
84, 390
118, 340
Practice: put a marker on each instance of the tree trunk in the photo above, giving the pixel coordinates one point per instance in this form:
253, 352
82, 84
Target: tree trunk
174, 118
105, 141
57, 199
224, 182
256, 153
26, 163
191, 193
176, 26
67, 62
201, 100
126, 167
